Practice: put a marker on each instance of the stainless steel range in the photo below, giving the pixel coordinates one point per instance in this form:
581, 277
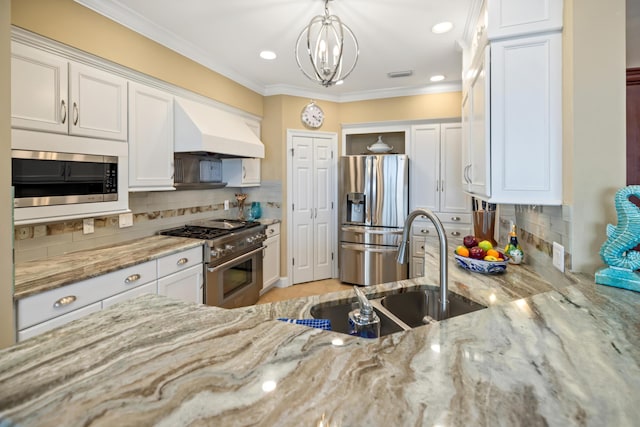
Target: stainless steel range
233, 259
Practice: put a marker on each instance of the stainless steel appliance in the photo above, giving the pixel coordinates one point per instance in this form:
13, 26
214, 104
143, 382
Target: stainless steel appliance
374, 202
46, 178
233, 259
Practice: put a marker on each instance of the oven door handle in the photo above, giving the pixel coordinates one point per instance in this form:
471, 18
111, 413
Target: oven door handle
235, 260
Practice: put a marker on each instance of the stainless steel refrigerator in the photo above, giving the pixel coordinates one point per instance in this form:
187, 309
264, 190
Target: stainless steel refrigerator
374, 202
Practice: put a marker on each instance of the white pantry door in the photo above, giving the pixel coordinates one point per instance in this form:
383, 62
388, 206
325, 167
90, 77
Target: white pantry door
312, 206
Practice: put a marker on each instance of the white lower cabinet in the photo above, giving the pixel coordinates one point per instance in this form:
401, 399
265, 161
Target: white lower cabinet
185, 285
423, 232
149, 288
179, 275
271, 259
58, 321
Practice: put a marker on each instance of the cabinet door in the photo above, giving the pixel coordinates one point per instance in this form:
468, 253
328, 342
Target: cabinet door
452, 196
251, 171
479, 129
465, 164
150, 139
98, 103
39, 88
526, 122
185, 285
425, 168
510, 18
271, 261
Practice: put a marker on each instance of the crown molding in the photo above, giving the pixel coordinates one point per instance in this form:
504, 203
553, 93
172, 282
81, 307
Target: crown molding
132, 20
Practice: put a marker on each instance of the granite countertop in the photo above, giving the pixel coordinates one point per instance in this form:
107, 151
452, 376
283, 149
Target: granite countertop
33, 277
561, 352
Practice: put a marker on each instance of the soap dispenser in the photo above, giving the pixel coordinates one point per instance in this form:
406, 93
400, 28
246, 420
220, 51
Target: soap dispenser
363, 321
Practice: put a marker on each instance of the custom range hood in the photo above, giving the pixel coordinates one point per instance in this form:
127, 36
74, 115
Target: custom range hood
201, 128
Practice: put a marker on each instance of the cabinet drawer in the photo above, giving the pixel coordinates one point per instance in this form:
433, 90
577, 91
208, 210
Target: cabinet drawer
273, 230
47, 305
417, 246
149, 288
179, 261
455, 232
58, 321
454, 218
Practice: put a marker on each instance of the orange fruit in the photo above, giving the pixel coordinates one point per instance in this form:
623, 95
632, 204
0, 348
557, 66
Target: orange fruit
462, 251
493, 253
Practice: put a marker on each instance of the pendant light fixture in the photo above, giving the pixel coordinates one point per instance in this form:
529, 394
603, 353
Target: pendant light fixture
326, 49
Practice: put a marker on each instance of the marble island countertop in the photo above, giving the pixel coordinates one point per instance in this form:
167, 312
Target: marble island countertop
557, 353
33, 277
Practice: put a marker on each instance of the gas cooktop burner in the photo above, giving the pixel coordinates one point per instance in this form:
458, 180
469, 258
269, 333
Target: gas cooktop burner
195, 232
211, 228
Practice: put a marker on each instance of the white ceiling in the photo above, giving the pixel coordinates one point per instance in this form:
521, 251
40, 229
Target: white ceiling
227, 36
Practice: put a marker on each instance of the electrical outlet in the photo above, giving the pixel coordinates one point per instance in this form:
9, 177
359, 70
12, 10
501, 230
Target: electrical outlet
226, 205
558, 256
125, 220
87, 226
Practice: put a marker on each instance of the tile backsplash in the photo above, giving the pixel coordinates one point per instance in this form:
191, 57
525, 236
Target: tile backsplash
537, 228
152, 212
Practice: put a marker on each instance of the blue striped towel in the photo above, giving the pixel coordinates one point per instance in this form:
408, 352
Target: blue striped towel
324, 324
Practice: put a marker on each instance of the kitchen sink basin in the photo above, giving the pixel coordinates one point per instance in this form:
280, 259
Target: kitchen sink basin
398, 312
416, 308
339, 316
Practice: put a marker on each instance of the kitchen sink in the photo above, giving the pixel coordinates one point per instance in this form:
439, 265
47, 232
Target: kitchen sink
416, 308
338, 314
398, 312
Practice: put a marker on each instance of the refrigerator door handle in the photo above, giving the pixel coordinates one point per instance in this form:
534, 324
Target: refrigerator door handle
360, 230
363, 248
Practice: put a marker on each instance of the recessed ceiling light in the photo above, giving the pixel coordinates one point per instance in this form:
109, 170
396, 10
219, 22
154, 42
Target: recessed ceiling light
442, 27
437, 78
267, 54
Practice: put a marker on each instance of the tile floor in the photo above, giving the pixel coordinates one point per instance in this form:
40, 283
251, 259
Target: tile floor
304, 290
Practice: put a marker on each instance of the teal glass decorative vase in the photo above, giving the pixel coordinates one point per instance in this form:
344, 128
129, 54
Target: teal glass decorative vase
256, 210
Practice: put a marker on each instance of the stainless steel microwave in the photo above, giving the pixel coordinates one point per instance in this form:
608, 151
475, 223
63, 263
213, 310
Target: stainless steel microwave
45, 178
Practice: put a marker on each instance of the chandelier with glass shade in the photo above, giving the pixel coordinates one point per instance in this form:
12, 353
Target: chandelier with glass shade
326, 49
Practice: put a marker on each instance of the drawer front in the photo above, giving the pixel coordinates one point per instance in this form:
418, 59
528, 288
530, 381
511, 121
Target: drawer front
47, 305
455, 218
179, 261
149, 288
58, 321
273, 230
417, 246
455, 232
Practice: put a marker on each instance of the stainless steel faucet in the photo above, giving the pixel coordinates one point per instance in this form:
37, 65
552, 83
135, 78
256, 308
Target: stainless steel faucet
403, 252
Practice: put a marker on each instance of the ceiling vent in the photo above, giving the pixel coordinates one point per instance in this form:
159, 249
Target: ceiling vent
396, 74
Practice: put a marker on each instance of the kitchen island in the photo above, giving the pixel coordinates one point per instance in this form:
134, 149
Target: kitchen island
545, 352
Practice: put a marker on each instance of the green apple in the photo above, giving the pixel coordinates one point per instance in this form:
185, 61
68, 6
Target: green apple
486, 245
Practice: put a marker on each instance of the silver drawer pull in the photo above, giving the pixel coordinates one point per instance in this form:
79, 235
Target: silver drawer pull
132, 278
455, 233
182, 261
424, 231
271, 231
64, 301
455, 218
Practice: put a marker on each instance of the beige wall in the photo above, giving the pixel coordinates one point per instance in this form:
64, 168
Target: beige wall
420, 107
6, 222
74, 25
594, 122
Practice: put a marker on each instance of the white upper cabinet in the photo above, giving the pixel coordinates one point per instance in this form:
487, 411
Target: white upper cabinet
52, 94
512, 103
39, 90
98, 103
509, 18
435, 169
150, 139
241, 172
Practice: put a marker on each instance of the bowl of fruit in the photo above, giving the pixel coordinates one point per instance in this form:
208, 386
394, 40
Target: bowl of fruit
480, 257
